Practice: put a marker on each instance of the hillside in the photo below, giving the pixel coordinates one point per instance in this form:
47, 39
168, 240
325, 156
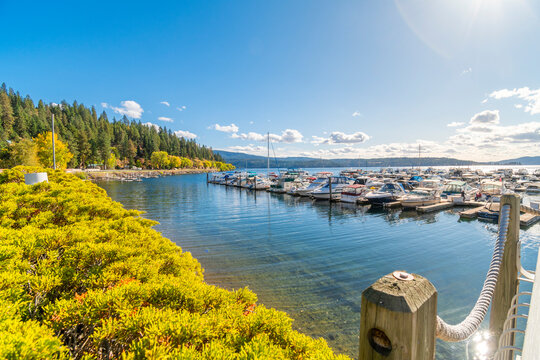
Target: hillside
242, 160
90, 137
526, 160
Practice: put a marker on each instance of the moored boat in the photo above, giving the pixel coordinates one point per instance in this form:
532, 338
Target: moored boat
352, 193
389, 192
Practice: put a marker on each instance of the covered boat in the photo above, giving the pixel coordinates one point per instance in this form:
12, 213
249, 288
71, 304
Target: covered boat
352, 193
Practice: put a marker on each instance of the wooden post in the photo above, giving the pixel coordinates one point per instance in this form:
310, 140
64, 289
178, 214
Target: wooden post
330, 188
398, 318
507, 282
207, 178
255, 183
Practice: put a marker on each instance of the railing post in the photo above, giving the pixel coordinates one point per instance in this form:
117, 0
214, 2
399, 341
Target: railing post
507, 282
398, 318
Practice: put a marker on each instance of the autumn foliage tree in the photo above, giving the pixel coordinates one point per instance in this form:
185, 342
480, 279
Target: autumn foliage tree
45, 152
160, 160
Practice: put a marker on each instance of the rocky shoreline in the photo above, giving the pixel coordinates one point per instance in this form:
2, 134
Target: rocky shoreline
132, 175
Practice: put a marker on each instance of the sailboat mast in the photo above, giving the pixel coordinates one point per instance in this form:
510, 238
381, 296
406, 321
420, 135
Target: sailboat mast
268, 156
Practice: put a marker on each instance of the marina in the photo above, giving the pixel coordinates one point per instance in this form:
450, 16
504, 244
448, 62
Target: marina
427, 190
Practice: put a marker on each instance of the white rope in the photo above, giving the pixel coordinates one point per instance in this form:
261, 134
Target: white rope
467, 327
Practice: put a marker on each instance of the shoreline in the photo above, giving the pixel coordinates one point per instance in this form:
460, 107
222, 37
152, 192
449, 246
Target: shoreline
134, 175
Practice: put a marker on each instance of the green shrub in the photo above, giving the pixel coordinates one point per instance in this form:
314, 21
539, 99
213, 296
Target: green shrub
82, 277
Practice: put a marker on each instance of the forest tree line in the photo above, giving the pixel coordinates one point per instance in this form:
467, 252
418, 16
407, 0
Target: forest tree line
91, 138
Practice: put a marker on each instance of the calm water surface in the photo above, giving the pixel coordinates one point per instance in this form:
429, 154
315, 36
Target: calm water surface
313, 259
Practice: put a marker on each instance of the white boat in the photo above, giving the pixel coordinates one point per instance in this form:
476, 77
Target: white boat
432, 184
420, 197
491, 190
323, 193
458, 191
389, 192
259, 184
352, 193
314, 185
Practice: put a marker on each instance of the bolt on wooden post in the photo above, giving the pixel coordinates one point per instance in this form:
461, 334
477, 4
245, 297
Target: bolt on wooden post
399, 318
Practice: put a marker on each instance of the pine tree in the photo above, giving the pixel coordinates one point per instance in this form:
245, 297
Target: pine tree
6, 114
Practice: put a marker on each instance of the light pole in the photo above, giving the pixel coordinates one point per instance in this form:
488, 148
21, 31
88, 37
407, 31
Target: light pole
53, 147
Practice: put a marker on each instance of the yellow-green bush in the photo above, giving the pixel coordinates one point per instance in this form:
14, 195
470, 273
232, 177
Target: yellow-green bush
81, 277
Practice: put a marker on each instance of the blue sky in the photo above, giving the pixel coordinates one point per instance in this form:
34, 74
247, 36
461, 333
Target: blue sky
328, 79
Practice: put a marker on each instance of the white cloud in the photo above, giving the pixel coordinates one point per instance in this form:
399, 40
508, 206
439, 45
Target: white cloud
253, 136
287, 136
486, 117
356, 114
518, 106
166, 103
167, 119
250, 149
291, 136
455, 124
181, 108
129, 108
532, 97
338, 137
484, 101
185, 134
466, 71
225, 128
149, 124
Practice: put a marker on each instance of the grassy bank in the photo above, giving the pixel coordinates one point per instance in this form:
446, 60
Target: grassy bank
81, 277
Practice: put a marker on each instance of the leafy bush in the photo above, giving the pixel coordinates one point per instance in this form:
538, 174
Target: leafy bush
82, 277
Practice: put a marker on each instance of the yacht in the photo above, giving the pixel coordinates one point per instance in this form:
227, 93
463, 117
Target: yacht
338, 183
457, 190
314, 185
389, 192
420, 197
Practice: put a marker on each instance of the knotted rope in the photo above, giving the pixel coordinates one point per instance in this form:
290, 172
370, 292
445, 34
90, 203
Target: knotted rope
467, 327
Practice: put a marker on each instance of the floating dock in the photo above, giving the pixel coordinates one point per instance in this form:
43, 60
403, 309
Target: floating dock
436, 207
392, 205
528, 219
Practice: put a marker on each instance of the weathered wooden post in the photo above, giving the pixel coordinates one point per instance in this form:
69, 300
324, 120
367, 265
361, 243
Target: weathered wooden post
399, 318
330, 188
507, 282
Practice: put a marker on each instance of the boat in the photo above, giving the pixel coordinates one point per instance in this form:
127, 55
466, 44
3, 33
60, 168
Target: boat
458, 191
314, 185
389, 192
259, 184
323, 193
352, 193
533, 187
420, 197
491, 190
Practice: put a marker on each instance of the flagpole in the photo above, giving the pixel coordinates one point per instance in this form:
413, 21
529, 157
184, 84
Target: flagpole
53, 147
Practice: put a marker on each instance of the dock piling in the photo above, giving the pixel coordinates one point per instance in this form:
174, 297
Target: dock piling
398, 318
330, 188
507, 282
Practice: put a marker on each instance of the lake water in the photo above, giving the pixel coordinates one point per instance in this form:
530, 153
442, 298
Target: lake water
314, 259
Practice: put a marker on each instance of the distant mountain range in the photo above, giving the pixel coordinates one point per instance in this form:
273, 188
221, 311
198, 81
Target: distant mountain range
526, 160
241, 160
